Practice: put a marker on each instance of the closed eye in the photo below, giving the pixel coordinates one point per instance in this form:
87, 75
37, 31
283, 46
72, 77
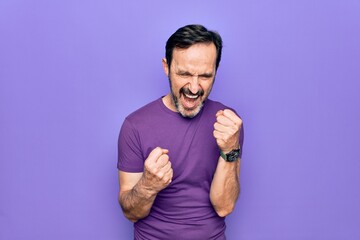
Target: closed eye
206, 76
184, 74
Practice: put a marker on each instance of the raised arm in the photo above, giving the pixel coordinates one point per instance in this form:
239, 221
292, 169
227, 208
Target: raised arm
225, 187
138, 190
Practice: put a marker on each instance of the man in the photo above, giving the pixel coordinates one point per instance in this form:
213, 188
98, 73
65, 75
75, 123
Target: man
179, 156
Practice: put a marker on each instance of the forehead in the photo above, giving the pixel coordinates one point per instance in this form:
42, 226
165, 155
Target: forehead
198, 57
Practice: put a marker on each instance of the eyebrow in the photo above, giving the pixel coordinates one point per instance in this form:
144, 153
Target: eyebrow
206, 75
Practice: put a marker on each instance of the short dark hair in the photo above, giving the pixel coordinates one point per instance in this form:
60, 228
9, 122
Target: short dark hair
189, 35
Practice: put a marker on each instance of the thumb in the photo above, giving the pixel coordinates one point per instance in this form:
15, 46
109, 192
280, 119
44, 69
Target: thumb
156, 153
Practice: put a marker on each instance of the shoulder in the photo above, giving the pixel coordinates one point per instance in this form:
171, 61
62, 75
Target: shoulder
144, 112
211, 106
149, 117
214, 106
136, 124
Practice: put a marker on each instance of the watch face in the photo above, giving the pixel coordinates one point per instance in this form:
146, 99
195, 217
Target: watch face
233, 155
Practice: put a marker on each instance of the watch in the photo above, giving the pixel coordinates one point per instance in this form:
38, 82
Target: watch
232, 156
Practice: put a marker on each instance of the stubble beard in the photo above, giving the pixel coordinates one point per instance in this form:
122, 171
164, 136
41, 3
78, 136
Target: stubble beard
180, 108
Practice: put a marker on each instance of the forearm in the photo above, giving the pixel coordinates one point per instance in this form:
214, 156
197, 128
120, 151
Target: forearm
225, 187
137, 202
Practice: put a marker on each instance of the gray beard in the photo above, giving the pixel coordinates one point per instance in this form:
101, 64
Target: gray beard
179, 108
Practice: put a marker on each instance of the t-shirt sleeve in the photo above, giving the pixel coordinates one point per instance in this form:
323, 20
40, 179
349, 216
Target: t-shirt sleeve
130, 157
241, 135
241, 139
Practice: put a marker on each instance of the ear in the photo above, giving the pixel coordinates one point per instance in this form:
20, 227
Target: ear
165, 66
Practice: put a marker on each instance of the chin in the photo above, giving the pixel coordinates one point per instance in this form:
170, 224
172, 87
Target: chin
185, 112
189, 113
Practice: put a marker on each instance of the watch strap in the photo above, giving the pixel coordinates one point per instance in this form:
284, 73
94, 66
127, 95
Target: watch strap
232, 156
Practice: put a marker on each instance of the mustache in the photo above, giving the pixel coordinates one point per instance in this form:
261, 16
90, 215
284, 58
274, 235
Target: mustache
188, 92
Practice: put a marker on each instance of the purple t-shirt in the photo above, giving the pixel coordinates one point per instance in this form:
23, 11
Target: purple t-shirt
183, 209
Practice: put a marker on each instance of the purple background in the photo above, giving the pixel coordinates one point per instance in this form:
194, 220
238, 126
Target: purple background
71, 71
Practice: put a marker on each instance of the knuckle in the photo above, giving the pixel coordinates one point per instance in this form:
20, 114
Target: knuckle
166, 177
228, 112
155, 150
238, 120
166, 165
163, 160
234, 130
160, 175
147, 164
158, 150
154, 171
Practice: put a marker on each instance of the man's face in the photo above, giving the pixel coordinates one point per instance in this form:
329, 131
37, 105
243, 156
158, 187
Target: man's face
191, 76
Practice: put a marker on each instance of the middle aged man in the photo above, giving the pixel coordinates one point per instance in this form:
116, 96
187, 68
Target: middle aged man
179, 156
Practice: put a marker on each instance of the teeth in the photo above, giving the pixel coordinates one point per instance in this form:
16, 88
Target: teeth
191, 96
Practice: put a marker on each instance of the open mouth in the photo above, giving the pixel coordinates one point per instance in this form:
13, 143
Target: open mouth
190, 101
191, 96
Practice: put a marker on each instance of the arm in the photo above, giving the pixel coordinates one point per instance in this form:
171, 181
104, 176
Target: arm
138, 190
134, 198
225, 187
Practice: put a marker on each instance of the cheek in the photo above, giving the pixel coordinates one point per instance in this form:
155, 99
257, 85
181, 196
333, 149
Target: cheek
207, 87
177, 84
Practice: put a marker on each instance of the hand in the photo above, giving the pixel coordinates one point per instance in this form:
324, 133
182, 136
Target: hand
157, 170
226, 130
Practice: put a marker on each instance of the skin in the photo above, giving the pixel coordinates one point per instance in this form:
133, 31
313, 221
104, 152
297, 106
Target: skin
138, 190
192, 71
225, 187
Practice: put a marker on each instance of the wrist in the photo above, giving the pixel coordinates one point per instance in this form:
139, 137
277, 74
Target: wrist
232, 155
229, 149
147, 190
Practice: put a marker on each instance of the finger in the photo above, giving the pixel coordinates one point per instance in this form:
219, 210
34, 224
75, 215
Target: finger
156, 153
164, 164
166, 170
220, 127
223, 120
218, 135
169, 175
165, 176
220, 112
232, 116
162, 160
229, 118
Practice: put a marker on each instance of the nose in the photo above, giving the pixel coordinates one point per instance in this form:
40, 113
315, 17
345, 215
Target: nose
194, 86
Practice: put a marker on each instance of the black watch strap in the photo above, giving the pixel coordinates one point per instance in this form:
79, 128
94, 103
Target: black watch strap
232, 156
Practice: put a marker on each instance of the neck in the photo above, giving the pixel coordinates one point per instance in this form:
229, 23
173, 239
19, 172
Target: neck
169, 103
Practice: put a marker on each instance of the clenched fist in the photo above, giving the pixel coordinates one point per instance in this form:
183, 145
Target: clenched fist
157, 170
227, 130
